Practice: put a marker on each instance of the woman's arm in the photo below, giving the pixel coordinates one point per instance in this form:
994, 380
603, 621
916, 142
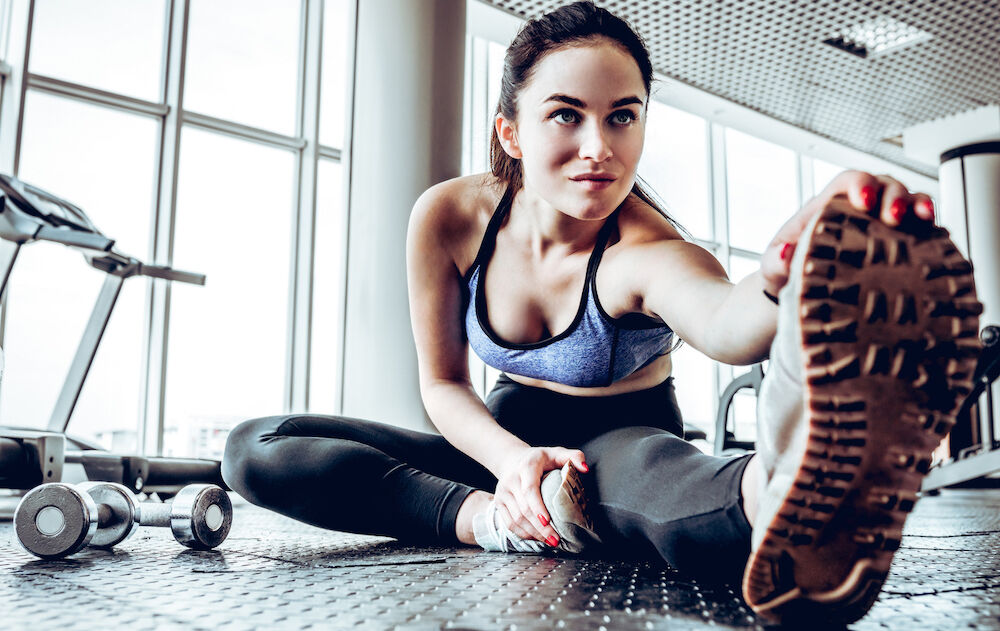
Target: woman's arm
436, 228
687, 288
434, 284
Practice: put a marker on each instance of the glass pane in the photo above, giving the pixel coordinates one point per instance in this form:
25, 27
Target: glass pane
104, 162
494, 79
763, 192
823, 172
328, 280
477, 374
113, 45
243, 62
333, 79
740, 267
743, 415
227, 347
675, 163
694, 380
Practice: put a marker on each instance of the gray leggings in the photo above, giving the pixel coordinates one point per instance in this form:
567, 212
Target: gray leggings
650, 491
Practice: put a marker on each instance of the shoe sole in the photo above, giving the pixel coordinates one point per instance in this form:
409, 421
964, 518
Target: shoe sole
890, 340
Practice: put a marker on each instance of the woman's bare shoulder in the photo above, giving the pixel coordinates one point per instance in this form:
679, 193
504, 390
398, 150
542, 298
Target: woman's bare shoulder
454, 213
640, 223
460, 199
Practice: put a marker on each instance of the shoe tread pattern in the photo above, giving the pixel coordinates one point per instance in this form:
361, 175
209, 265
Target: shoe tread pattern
890, 325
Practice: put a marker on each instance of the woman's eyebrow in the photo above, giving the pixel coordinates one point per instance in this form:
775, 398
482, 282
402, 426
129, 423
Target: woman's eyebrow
566, 99
628, 100
575, 102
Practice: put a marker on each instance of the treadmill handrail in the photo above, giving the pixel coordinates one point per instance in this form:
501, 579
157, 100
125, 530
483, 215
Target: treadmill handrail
168, 273
75, 238
13, 186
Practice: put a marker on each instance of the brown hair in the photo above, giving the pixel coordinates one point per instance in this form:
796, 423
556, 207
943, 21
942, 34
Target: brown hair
571, 24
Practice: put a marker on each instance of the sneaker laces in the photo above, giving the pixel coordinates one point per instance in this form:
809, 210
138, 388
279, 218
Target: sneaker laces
493, 536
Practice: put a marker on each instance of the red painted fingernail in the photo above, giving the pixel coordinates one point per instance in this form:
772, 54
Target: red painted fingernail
898, 209
868, 196
552, 541
585, 467
929, 205
786, 251
542, 519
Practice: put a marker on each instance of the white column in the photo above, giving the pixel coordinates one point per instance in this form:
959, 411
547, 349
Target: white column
405, 136
970, 186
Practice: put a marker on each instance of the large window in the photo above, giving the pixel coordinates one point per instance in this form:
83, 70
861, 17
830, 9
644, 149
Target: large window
227, 343
116, 46
226, 165
104, 161
675, 163
327, 290
483, 72
823, 172
242, 62
762, 189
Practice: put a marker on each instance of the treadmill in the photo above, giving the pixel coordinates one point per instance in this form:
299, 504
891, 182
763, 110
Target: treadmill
29, 456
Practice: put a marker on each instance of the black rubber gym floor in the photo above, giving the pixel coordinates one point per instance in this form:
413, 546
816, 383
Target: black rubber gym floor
274, 573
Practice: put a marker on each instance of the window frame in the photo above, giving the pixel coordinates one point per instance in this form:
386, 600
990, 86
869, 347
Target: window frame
16, 22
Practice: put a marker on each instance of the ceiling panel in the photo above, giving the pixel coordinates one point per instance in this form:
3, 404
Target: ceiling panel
773, 57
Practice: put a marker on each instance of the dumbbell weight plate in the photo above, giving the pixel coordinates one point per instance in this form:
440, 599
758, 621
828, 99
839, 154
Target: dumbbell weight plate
123, 512
55, 520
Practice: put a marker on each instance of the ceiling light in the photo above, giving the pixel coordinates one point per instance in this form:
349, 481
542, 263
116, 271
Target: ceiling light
877, 37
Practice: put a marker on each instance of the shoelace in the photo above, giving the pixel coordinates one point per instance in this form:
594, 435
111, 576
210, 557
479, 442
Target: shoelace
501, 538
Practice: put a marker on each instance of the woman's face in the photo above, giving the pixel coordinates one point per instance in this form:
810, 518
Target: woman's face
580, 127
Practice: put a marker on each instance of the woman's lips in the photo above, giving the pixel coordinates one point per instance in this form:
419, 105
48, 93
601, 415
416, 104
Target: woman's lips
594, 183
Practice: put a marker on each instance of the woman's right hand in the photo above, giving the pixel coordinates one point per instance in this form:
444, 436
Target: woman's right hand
518, 494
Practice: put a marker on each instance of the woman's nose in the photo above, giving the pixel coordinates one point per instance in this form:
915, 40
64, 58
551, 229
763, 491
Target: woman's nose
594, 145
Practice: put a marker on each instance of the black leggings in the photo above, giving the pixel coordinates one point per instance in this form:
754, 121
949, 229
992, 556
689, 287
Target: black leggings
651, 491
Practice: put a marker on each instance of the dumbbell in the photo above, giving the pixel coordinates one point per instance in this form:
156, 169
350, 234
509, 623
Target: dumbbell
56, 520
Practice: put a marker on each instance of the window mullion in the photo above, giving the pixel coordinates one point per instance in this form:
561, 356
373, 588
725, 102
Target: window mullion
806, 179
718, 179
151, 422
300, 315
13, 88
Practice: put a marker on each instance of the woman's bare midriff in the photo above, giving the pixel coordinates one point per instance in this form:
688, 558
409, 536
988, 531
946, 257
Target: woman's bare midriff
652, 375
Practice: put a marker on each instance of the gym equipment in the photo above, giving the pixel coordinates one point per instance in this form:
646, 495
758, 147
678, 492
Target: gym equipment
978, 450
30, 214
975, 424
56, 520
29, 457
725, 439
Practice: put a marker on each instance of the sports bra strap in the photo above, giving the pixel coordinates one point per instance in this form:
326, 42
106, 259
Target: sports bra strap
488, 243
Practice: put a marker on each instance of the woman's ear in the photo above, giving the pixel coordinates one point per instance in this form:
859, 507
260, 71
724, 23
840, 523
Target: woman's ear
508, 137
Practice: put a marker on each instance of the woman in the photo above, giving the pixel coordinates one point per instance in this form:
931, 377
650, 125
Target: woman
559, 270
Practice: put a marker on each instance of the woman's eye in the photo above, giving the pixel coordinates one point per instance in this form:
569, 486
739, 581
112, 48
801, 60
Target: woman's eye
565, 116
623, 117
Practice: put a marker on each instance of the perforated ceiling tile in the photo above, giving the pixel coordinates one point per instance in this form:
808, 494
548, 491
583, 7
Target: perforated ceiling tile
772, 57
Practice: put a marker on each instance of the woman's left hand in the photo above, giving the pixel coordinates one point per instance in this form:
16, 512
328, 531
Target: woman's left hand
881, 196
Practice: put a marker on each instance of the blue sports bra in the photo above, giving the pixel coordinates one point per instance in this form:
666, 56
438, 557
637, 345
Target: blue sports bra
596, 349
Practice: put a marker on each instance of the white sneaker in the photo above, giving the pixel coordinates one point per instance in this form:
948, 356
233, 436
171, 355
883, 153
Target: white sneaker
875, 350
563, 495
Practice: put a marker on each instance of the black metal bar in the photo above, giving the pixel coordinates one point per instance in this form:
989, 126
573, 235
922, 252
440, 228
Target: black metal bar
989, 440
8, 267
